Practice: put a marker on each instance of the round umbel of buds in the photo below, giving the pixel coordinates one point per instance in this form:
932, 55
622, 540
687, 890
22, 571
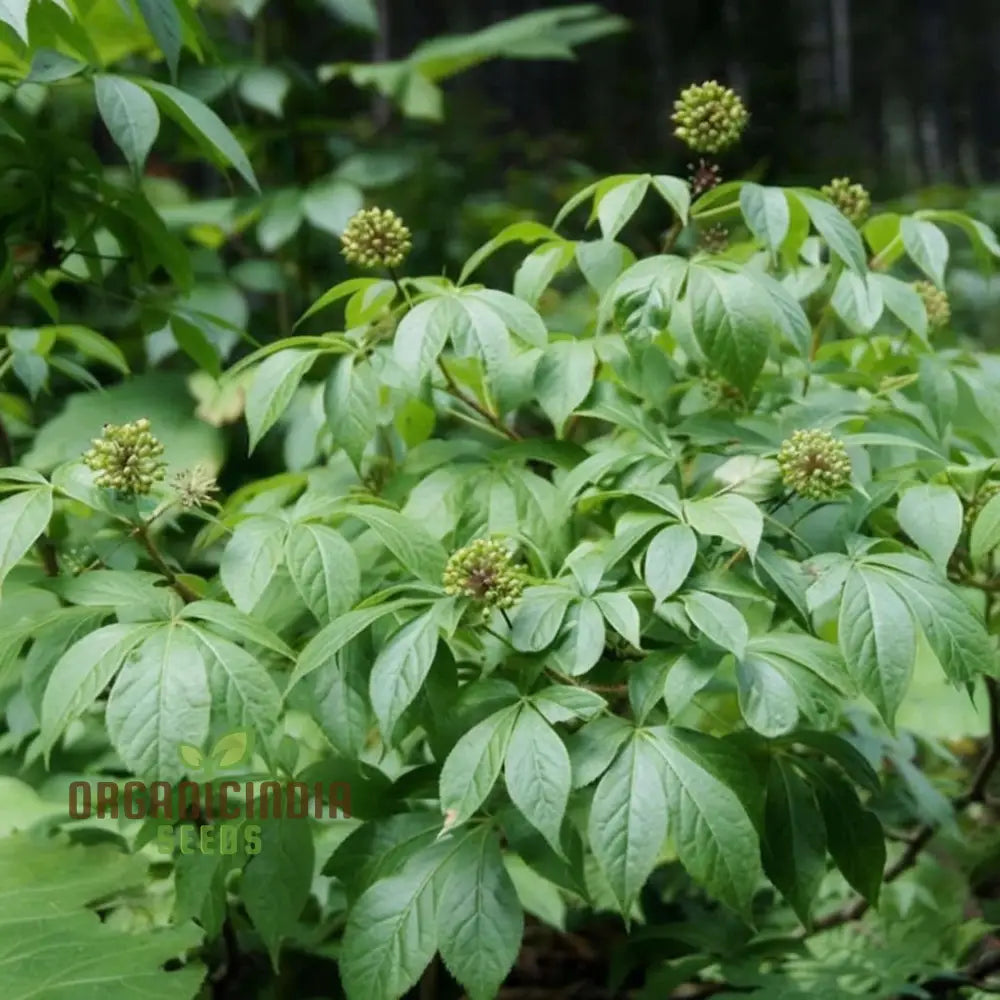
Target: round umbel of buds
715, 239
709, 118
483, 571
376, 237
126, 458
723, 395
983, 496
195, 487
814, 464
850, 199
704, 177
935, 302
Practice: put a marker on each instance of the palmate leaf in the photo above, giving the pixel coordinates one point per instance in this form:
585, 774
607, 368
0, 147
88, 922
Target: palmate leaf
854, 834
538, 774
51, 946
471, 769
337, 696
160, 700
712, 831
480, 921
401, 668
333, 637
767, 214
350, 401
734, 321
83, 672
786, 675
839, 234
456, 895
794, 845
273, 387
955, 632
251, 558
242, 689
767, 700
877, 637
392, 932
277, 881
323, 568
204, 126
410, 542
23, 517
130, 115
669, 559
628, 819
932, 516
584, 645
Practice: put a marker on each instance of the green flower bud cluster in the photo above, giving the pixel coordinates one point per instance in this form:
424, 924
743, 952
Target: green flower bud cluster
723, 395
709, 117
484, 571
195, 486
704, 177
935, 302
126, 458
983, 496
852, 200
814, 464
376, 237
715, 239
76, 559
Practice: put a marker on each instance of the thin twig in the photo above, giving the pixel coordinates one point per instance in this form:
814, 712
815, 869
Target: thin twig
977, 790
923, 836
671, 236
456, 390
988, 586
734, 559
599, 688
400, 287
814, 346
183, 590
497, 635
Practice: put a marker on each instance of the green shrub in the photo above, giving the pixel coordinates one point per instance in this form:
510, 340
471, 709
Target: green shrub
609, 592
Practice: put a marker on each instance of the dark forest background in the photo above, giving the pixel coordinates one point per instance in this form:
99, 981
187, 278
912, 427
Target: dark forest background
900, 93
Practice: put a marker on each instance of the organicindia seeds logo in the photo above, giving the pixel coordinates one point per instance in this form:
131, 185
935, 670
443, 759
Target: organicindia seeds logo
189, 810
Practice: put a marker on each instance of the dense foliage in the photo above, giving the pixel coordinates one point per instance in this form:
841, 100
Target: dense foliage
638, 607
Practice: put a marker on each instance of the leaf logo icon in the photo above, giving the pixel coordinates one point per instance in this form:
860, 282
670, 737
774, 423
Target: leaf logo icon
191, 756
232, 749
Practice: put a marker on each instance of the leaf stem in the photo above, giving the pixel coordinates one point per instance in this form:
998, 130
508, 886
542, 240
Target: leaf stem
497, 635
456, 390
671, 236
711, 213
399, 286
598, 688
817, 340
877, 262
186, 594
